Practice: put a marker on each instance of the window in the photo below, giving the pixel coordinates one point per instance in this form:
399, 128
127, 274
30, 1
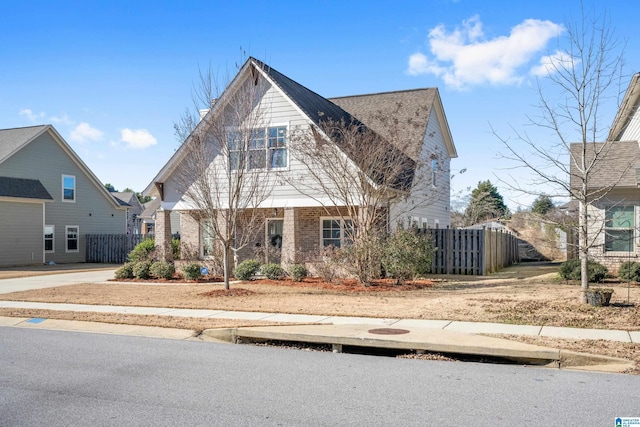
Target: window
267, 149
68, 188
208, 239
73, 241
48, 238
619, 226
337, 232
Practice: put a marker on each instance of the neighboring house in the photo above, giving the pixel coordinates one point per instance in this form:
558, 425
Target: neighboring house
134, 209
300, 222
49, 199
148, 218
614, 215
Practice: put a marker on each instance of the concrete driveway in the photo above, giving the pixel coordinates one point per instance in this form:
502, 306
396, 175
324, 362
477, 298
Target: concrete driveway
54, 280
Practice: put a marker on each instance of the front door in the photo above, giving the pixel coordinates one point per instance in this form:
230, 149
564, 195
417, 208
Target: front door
274, 240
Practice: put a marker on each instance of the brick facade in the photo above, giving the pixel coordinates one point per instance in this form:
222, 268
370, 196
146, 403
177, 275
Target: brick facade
163, 234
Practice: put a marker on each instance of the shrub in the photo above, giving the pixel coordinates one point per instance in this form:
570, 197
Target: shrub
630, 270
192, 271
246, 269
141, 270
407, 254
298, 272
272, 271
162, 269
125, 272
175, 248
143, 251
570, 270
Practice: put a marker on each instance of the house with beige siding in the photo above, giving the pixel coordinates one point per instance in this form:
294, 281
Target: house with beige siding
614, 185
49, 199
296, 220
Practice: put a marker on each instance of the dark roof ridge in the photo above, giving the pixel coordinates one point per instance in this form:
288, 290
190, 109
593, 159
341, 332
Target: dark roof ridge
389, 92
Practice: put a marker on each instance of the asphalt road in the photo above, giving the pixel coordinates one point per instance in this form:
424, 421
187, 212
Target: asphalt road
50, 378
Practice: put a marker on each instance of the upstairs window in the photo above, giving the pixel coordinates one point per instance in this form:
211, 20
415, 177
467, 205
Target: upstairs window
267, 149
619, 229
68, 188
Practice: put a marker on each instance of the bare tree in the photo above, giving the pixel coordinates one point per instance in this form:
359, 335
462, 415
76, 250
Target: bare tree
223, 173
356, 175
587, 75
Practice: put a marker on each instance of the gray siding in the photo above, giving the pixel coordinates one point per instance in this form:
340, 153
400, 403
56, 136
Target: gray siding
21, 234
45, 160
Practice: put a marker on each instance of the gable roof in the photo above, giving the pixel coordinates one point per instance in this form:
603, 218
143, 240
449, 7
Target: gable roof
615, 167
411, 108
23, 188
318, 109
13, 140
627, 109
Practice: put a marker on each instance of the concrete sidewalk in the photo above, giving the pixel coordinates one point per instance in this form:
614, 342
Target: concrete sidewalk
445, 325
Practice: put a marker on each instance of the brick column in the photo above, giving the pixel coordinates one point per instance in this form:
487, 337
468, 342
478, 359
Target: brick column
163, 234
189, 237
290, 238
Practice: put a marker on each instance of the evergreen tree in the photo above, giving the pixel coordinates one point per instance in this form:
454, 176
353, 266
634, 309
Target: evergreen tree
485, 203
542, 205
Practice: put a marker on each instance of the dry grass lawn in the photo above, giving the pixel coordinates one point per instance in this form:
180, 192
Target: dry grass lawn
524, 294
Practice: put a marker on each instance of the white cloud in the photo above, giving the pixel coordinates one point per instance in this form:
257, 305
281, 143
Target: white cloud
84, 133
550, 63
63, 119
464, 57
33, 117
139, 138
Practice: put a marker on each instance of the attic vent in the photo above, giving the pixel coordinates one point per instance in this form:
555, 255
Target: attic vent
638, 177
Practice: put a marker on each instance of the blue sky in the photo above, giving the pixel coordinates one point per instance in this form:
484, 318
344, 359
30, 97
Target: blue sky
113, 76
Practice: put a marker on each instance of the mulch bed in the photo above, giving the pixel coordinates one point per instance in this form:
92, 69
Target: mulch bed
350, 285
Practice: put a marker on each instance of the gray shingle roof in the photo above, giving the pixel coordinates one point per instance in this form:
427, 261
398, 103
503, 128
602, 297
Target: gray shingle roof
409, 110
23, 188
11, 140
610, 169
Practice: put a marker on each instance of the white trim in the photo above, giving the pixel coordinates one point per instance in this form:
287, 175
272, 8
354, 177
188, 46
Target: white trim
66, 238
75, 186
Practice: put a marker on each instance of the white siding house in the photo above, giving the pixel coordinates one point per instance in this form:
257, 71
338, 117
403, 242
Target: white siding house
298, 217
49, 199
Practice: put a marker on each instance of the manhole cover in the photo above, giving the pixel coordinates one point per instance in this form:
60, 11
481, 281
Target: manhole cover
388, 331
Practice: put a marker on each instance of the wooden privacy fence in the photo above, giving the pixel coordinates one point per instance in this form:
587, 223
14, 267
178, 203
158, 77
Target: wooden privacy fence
475, 252
111, 248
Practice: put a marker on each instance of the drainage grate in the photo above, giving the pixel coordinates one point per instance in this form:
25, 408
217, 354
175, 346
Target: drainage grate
388, 331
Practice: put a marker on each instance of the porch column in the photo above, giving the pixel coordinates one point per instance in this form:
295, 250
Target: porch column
163, 234
290, 238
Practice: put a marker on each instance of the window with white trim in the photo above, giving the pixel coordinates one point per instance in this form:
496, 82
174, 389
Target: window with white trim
266, 149
68, 188
619, 229
336, 232
49, 233
207, 237
72, 233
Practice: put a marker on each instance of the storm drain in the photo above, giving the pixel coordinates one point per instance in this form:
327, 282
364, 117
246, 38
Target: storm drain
388, 331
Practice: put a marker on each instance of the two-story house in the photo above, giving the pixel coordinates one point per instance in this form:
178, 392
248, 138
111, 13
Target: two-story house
411, 123
49, 199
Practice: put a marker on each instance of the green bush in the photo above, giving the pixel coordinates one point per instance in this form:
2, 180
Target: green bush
570, 270
407, 255
246, 269
143, 251
298, 272
125, 272
272, 271
630, 270
175, 248
141, 270
192, 271
162, 269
